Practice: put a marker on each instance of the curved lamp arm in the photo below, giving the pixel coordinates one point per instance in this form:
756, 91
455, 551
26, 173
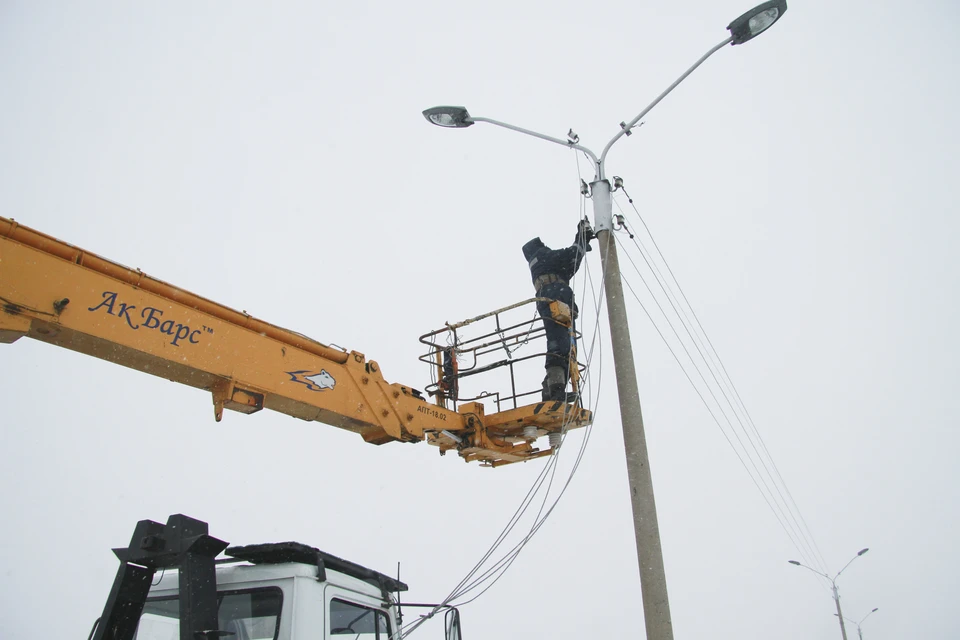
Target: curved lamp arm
859, 553
625, 128
743, 29
565, 143
799, 564
458, 117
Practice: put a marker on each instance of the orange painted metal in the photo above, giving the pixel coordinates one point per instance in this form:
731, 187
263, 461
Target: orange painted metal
57, 293
25, 235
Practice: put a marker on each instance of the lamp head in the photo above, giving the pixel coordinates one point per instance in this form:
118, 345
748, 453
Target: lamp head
794, 562
756, 21
450, 117
861, 552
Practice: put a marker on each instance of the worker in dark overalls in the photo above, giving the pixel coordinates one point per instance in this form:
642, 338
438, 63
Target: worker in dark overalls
552, 270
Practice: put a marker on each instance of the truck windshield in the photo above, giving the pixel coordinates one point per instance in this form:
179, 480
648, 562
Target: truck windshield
357, 622
250, 614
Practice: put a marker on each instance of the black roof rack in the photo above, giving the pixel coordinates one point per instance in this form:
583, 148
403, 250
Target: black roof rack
279, 552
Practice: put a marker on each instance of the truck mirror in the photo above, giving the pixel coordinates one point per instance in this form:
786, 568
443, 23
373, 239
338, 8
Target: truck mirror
96, 623
452, 624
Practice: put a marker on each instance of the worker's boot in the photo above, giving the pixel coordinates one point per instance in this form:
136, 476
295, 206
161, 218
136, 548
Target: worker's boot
554, 384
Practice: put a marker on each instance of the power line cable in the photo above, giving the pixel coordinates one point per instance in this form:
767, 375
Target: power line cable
509, 558
784, 509
511, 555
727, 380
493, 574
715, 419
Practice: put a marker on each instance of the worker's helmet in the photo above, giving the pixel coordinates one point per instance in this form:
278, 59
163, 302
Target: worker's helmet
530, 249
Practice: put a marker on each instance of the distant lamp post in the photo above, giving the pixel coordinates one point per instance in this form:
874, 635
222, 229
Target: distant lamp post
653, 582
836, 592
872, 611
859, 630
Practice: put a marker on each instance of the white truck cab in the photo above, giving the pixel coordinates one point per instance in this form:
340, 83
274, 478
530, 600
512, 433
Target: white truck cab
280, 591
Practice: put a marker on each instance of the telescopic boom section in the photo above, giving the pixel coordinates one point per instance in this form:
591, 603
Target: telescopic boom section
62, 295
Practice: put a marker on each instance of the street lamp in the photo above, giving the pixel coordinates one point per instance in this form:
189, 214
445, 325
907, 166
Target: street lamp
653, 584
859, 630
756, 21
836, 592
451, 117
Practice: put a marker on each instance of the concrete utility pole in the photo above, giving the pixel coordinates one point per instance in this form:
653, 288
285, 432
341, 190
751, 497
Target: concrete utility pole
836, 591
653, 582
836, 598
653, 578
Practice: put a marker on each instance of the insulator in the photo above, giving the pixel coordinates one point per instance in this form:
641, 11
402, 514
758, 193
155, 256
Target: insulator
555, 439
530, 432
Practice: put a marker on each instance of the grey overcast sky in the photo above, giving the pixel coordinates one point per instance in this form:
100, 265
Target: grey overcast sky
272, 157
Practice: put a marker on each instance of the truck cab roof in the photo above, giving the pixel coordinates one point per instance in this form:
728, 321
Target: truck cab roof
279, 560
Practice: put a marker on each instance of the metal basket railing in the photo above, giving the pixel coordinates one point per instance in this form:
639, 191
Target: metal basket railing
498, 341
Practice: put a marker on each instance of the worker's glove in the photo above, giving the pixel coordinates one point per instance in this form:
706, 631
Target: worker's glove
585, 231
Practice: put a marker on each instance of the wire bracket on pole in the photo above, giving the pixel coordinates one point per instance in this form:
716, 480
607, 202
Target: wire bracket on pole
629, 132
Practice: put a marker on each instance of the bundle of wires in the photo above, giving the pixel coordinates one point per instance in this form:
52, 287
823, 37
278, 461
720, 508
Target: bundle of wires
544, 493
675, 321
